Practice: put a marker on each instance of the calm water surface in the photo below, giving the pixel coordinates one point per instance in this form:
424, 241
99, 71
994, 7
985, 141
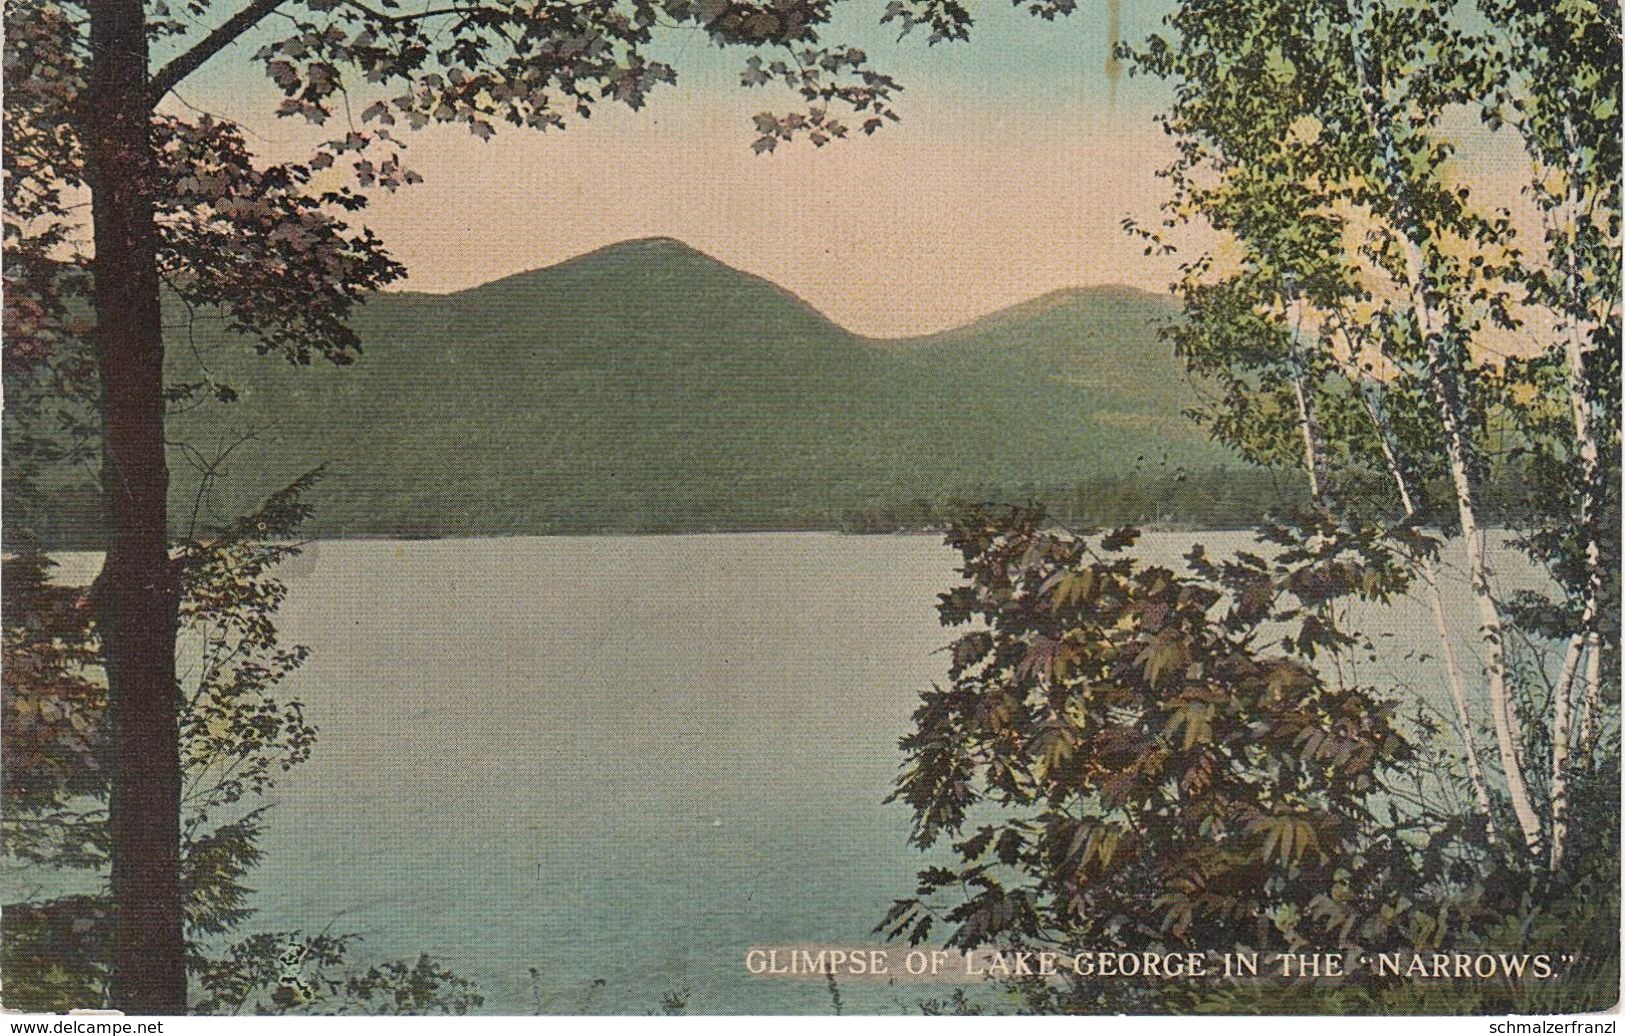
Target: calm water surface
623, 761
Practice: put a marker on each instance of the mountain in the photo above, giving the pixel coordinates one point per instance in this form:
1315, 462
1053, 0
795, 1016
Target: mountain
648, 387
1099, 341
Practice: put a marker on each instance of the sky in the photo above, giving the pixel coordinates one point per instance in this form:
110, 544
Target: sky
1017, 160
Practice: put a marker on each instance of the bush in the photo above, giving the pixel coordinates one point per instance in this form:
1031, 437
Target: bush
1134, 757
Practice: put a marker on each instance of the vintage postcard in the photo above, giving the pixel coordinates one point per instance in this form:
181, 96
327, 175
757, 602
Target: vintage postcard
806, 507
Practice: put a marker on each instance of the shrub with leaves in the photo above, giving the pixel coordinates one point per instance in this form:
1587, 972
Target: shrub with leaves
1132, 756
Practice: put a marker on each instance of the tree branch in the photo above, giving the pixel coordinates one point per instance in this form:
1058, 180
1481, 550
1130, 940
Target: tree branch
170, 76
407, 18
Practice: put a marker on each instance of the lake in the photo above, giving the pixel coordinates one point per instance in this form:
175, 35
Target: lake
623, 761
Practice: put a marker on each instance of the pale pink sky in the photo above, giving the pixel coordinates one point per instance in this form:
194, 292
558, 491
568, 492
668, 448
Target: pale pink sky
1016, 161
1009, 177
923, 226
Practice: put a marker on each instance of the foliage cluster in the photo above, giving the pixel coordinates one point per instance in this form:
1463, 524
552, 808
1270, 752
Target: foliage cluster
238, 736
1141, 757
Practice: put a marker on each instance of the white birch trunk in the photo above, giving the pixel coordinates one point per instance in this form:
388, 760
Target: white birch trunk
1562, 729
1592, 705
1508, 729
1586, 449
1308, 423
1444, 369
1441, 625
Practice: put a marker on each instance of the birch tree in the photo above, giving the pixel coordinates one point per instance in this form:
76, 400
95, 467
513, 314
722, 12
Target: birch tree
1297, 117
1559, 91
1394, 55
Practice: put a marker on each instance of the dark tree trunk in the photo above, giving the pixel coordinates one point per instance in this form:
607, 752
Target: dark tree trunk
137, 592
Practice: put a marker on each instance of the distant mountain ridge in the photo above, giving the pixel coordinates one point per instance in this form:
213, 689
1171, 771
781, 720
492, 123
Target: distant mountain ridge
648, 387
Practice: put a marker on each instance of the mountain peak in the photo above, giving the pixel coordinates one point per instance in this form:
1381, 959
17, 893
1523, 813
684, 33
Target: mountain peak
658, 242
650, 281
632, 260
658, 247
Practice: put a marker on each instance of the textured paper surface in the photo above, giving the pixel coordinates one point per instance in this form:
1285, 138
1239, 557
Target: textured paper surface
624, 571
